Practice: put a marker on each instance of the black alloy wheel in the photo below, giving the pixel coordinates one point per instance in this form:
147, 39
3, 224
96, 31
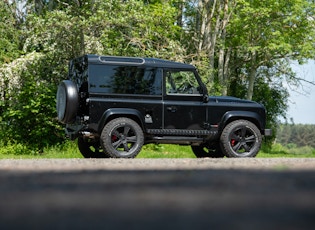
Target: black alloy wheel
241, 138
122, 138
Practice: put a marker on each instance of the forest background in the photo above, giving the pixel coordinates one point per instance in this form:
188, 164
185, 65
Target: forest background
241, 48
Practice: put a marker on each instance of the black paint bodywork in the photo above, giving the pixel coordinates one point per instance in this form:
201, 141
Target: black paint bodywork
110, 87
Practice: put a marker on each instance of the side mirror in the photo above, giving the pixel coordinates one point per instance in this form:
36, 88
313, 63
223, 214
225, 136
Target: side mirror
205, 98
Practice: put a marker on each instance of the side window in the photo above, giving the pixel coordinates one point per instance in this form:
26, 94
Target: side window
78, 71
124, 80
181, 82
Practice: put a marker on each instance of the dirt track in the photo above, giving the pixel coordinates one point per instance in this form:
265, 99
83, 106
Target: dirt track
158, 194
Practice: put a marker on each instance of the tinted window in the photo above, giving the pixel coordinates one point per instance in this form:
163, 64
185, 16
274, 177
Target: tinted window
78, 71
124, 80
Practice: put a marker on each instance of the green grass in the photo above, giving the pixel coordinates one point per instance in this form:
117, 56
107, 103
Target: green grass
166, 151
18, 151
288, 151
70, 150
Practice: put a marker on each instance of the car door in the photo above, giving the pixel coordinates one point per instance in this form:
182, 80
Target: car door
183, 105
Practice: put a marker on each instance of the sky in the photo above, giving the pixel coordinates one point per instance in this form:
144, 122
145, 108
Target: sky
302, 105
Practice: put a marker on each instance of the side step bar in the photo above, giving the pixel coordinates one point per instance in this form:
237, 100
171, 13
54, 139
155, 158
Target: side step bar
175, 140
182, 132
180, 136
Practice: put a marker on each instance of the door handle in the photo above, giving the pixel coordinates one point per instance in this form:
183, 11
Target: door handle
172, 109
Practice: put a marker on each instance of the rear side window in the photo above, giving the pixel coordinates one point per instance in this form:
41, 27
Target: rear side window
124, 80
78, 71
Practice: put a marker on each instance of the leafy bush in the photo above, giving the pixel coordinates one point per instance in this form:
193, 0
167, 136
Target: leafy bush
28, 110
11, 148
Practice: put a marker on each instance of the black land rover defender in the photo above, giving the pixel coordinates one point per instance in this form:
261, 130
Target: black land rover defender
115, 105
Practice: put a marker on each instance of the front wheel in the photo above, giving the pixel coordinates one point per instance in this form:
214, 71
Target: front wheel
122, 138
241, 138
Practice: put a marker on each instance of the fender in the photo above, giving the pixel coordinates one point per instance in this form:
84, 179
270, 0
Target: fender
247, 115
119, 112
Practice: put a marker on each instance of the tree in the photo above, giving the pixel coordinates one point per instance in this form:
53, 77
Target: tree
30, 107
207, 22
9, 40
140, 30
282, 31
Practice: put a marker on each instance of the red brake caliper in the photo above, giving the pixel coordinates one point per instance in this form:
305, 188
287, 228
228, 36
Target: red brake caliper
114, 138
232, 142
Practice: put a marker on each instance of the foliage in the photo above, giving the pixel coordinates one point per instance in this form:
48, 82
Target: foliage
141, 30
17, 150
9, 39
262, 49
29, 108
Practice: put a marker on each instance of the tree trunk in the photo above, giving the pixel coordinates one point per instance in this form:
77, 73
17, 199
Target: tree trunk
180, 13
212, 19
224, 58
223, 72
251, 77
206, 10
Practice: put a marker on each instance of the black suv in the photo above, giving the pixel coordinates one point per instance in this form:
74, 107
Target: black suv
115, 105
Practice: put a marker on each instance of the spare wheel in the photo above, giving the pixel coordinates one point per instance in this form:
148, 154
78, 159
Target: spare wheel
67, 101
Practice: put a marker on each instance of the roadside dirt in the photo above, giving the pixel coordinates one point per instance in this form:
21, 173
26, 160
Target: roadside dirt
257, 193
157, 164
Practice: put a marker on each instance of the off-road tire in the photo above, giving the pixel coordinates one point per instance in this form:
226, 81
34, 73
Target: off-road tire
240, 138
122, 138
67, 101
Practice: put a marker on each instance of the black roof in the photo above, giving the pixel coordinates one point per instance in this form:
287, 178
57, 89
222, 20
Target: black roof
135, 61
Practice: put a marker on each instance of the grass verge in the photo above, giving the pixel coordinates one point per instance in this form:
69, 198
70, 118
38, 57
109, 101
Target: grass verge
70, 150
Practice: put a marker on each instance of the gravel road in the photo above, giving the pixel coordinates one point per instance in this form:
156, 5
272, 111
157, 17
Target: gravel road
257, 193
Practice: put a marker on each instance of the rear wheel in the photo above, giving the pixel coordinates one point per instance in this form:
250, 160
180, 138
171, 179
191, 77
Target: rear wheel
122, 138
90, 148
241, 138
